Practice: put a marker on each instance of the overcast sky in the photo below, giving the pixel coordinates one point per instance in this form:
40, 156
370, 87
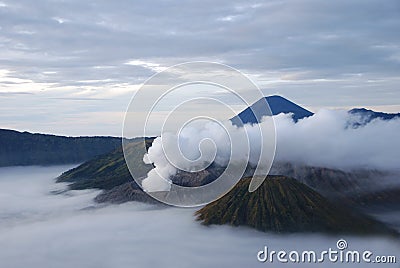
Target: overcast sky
70, 67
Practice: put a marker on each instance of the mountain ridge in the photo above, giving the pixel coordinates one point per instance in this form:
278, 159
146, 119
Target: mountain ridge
25, 148
277, 104
365, 116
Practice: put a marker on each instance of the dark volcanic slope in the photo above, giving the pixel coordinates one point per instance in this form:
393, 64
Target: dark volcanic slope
359, 188
107, 171
277, 104
128, 191
24, 148
110, 170
283, 204
367, 116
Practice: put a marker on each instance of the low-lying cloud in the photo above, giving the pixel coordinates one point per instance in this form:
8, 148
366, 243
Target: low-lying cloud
328, 139
56, 231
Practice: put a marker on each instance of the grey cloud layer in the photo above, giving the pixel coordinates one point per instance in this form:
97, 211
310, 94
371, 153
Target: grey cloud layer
323, 37
317, 53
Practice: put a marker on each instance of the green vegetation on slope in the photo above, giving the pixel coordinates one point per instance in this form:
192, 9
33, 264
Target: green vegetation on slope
107, 171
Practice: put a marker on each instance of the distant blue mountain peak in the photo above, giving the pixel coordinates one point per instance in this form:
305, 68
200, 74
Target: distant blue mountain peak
277, 105
365, 116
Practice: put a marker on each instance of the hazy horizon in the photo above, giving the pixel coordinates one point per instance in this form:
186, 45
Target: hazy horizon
22, 129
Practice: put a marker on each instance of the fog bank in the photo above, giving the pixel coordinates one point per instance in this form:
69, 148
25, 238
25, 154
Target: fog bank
40, 229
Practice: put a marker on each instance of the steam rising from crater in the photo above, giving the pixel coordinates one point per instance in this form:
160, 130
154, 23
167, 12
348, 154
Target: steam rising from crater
326, 139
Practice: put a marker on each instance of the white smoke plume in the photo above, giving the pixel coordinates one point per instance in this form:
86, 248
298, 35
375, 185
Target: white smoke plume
202, 145
326, 139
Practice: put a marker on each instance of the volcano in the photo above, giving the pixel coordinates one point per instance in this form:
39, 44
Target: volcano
364, 116
277, 104
284, 205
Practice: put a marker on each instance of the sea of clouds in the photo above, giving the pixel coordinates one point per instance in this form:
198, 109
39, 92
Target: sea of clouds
42, 226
